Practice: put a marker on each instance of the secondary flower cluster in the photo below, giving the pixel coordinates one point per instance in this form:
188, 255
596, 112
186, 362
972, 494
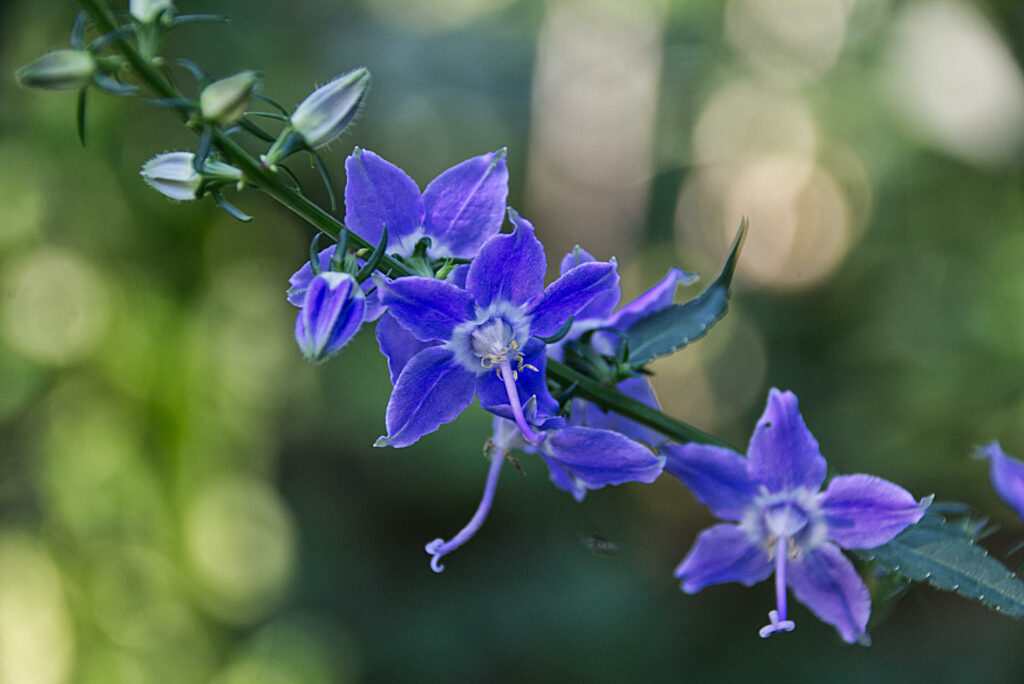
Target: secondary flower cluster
486, 329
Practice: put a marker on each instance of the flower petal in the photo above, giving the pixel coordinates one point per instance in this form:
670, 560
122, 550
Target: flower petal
510, 267
723, 553
594, 458
717, 477
783, 454
432, 389
591, 415
428, 308
299, 281
824, 580
601, 306
1007, 475
397, 344
465, 205
863, 511
568, 295
656, 298
378, 193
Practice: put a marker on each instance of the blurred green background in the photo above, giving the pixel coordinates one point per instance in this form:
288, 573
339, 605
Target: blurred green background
184, 499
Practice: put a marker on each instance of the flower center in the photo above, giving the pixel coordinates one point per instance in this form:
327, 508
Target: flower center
495, 343
785, 519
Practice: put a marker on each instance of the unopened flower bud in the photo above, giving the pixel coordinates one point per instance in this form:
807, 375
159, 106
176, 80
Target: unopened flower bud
173, 174
225, 101
330, 315
322, 116
147, 11
59, 70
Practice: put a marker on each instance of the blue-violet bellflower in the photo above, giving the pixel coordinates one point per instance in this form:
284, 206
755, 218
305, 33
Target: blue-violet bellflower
781, 522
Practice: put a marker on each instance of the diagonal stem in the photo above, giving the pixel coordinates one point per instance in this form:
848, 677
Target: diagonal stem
255, 173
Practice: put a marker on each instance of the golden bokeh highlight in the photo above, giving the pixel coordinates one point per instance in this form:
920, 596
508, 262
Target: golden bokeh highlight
954, 82
57, 309
36, 637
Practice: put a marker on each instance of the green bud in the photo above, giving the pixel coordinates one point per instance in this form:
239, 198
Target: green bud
147, 11
225, 101
58, 70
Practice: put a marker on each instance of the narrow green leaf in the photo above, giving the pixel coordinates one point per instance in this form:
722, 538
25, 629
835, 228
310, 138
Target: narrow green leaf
946, 556
664, 331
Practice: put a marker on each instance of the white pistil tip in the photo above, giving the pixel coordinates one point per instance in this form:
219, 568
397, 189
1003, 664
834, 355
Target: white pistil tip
776, 625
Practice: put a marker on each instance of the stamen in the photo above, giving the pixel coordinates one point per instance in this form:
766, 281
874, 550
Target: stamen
779, 623
508, 376
439, 547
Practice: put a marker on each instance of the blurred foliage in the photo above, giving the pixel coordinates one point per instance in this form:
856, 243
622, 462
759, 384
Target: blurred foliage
183, 499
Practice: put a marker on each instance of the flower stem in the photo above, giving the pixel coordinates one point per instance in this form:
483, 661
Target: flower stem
612, 399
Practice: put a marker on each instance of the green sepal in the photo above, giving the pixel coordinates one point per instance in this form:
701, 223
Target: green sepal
340, 251
201, 77
205, 147
113, 86
559, 334
273, 103
80, 115
77, 39
231, 209
182, 104
318, 162
107, 39
946, 556
255, 130
314, 254
374, 259
668, 329
197, 19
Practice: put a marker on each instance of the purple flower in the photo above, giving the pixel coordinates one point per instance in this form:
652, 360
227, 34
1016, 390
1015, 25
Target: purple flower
784, 523
330, 315
459, 211
486, 333
600, 315
578, 458
1007, 475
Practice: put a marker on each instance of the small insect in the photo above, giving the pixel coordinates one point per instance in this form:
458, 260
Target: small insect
599, 546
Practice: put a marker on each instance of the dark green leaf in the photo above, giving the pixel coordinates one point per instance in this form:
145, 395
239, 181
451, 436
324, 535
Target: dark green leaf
946, 556
664, 331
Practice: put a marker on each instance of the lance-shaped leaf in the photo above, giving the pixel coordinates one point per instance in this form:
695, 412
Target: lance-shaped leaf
946, 556
668, 329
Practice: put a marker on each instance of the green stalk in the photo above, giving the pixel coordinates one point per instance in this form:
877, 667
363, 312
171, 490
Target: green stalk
609, 398
255, 173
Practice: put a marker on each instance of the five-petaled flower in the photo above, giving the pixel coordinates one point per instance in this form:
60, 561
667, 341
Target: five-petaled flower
487, 334
784, 523
1007, 475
